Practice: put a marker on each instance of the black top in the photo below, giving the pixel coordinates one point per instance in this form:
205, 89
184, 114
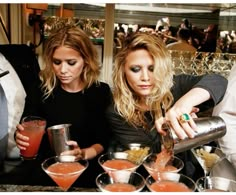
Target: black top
84, 110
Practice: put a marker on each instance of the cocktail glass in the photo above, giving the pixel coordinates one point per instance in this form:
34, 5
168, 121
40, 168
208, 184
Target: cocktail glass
174, 165
136, 152
120, 181
117, 161
215, 184
64, 170
34, 128
225, 167
170, 182
207, 156
232, 159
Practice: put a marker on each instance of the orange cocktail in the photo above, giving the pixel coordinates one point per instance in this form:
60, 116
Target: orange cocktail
120, 181
162, 162
64, 170
117, 161
120, 187
34, 128
118, 164
170, 182
168, 186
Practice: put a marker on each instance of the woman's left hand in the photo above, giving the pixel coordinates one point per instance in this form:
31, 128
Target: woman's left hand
182, 128
76, 151
184, 108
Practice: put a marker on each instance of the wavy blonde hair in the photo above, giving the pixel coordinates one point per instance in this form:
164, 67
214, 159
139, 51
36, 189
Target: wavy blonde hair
126, 101
75, 38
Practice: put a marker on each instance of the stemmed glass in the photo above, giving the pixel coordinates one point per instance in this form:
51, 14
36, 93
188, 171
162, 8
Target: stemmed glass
207, 156
170, 182
117, 161
215, 184
174, 165
64, 170
120, 181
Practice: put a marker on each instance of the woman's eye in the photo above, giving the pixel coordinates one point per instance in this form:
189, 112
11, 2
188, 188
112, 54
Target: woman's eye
135, 69
57, 62
151, 68
71, 62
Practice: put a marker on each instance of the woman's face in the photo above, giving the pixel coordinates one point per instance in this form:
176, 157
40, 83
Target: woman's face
139, 72
67, 65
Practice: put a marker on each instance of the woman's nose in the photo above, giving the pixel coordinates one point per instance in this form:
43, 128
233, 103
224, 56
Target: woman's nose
145, 76
63, 68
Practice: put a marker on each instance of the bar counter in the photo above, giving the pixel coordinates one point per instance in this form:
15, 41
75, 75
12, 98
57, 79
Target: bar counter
28, 188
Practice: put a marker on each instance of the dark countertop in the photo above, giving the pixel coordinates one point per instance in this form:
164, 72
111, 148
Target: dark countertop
27, 188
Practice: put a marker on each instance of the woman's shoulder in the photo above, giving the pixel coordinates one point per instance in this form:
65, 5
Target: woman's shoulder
99, 86
99, 90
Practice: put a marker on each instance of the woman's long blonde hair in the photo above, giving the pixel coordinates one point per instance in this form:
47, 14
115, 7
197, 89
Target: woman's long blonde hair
126, 101
75, 38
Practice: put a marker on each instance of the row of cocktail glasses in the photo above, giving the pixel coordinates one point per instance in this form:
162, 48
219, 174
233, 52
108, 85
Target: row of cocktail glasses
120, 174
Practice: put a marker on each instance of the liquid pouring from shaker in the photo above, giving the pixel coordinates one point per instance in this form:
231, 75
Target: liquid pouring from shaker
167, 140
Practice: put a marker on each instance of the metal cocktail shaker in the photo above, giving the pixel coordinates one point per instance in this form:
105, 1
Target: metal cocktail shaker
209, 129
58, 136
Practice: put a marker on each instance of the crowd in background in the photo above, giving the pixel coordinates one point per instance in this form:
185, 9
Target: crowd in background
210, 39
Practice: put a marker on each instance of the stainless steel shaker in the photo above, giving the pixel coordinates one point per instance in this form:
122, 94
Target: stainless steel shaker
209, 129
58, 136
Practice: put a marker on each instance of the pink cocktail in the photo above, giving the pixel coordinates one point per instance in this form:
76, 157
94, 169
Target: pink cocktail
64, 170
34, 128
170, 182
117, 161
120, 181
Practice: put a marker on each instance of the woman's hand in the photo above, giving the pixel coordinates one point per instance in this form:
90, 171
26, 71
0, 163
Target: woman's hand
76, 151
21, 140
182, 129
85, 153
184, 106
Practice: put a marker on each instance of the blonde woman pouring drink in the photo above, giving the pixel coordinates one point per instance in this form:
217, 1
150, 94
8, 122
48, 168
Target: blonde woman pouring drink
147, 94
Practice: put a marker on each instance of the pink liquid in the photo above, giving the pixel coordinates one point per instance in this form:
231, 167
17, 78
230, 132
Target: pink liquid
69, 172
120, 187
119, 164
169, 186
35, 135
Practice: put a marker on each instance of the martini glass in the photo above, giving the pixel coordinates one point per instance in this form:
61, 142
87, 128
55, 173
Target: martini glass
117, 161
174, 165
215, 184
170, 182
64, 170
120, 181
207, 157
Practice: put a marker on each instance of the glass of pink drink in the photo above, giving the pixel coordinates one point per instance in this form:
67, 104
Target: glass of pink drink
170, 182
117, 161
34, 128
64, 170
153, 165
120, 181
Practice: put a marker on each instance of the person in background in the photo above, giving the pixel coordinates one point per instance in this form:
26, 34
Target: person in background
226, 109
15, 100
70, 92
147, 94
182, 44
21, 63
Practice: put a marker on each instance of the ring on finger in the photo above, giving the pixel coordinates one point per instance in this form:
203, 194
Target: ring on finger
184, 118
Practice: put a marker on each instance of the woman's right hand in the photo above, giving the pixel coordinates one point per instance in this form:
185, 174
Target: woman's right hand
21, 140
